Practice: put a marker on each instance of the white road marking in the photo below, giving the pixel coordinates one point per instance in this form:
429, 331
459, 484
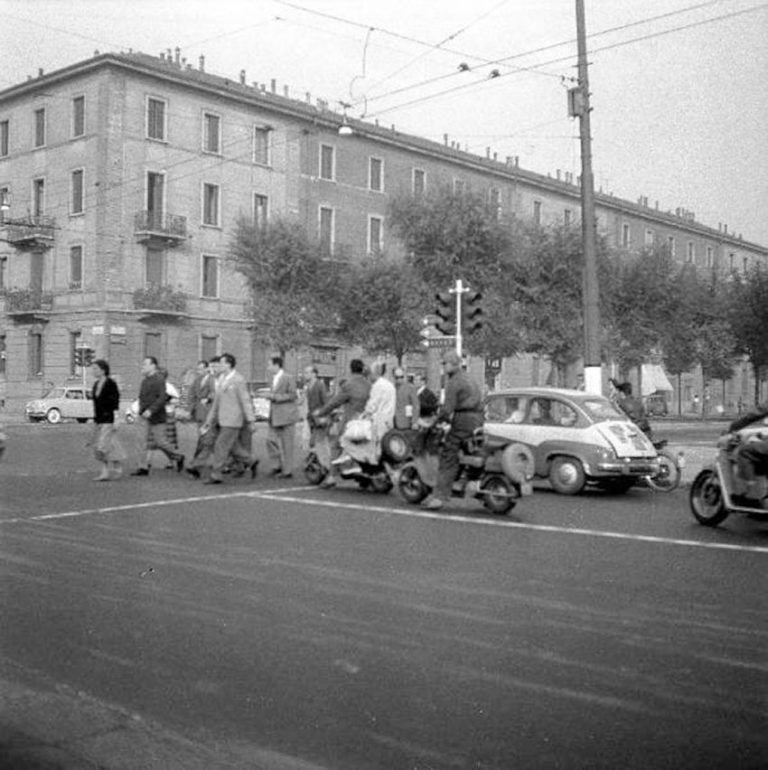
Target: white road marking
285, 495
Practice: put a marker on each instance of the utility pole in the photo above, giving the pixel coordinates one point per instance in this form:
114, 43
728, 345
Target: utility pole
579, 105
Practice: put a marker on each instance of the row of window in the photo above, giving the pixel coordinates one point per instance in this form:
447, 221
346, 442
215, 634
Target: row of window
38, 127
156, 126
690, 252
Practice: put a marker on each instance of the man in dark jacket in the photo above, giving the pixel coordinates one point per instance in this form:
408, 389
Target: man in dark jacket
752, 455
352, 396
152, 400
463, 409
631, 406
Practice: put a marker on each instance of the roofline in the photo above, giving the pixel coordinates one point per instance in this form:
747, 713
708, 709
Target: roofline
219, 86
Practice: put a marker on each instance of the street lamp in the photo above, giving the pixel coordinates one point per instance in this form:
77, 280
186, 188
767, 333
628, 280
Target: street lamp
345, 129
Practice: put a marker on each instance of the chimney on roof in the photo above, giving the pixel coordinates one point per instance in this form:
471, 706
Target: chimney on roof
96, 52
495, 156
162, 55
201, 63
168, 54
308, 97
242, 77
558, 174
286, 92
725, 229
273, 85
487, 152
177, 52
39, 72
445, 139
517, 160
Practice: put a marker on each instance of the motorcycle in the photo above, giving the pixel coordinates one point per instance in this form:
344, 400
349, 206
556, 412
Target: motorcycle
670, 468
493, 470
396, 448
718, 490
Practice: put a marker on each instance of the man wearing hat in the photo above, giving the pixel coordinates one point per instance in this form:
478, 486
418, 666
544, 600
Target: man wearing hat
463, 409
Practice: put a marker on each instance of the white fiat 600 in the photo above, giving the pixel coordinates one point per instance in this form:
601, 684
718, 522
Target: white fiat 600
576, 438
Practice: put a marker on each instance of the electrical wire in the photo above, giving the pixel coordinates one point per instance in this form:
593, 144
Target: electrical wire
558, 60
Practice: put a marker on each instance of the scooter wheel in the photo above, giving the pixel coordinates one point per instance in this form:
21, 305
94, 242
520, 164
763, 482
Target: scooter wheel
381, 483
668, 477
410, 486
498, 495
706, 499
314, 472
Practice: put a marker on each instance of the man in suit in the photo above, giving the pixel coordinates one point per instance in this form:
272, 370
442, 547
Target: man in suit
428, 402
352, 395
152, 400
283, 416
232, 412
407, 406
201, 394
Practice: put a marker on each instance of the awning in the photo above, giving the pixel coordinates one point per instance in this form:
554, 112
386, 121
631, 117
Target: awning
654, 378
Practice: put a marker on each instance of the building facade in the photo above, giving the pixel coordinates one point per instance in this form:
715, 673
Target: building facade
123, 176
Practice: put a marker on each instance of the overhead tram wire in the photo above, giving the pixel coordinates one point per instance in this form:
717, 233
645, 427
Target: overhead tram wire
474, 57
561, 59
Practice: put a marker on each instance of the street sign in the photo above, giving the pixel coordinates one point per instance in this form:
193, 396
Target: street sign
444, 341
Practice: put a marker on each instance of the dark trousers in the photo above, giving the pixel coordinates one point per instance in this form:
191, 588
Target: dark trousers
462, 428
204, 448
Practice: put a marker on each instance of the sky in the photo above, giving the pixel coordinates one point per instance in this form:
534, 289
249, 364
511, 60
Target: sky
678, 87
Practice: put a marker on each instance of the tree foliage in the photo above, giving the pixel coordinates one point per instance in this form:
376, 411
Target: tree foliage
288, 281
380, 306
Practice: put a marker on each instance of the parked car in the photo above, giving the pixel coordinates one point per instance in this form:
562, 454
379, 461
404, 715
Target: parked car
132, 413
656, 404
576, 438
61, 403
261, 403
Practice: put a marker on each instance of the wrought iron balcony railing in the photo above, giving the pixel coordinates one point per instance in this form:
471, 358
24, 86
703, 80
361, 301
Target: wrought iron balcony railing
22, 301
32, 232
160, 299
171, 229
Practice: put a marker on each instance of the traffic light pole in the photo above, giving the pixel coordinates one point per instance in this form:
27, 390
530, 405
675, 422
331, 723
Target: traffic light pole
459, 290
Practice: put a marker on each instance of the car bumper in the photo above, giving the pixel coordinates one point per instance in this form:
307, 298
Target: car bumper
34, 414
635, 468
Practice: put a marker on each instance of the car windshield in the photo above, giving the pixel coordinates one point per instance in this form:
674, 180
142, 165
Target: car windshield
54, 393
602, 409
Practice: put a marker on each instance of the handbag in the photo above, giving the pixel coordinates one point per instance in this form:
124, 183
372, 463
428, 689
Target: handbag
358, 431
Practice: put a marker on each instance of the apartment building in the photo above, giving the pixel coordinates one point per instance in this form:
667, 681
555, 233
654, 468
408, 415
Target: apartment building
122, 177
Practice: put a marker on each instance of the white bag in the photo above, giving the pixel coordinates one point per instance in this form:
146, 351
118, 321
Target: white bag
358, 431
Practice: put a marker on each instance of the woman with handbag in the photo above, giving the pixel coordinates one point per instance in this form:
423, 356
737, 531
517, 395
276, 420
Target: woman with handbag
106, 401
363, 443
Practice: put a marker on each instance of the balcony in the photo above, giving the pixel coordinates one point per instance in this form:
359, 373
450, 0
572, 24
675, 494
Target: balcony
160, 300
32, 233
27, 302
160, 229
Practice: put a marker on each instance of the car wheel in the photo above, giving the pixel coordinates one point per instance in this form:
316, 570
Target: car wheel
498, 495
53, 416
706, 499
410, 486
566, 474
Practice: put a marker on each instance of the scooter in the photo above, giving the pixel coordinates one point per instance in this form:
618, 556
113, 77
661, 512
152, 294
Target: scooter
718, 490
493, 470
396, 448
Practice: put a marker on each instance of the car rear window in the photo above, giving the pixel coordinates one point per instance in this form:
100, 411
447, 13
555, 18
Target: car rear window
602, 409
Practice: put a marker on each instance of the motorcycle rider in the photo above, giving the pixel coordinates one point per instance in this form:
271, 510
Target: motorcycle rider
463, 409
751, 455
631, 406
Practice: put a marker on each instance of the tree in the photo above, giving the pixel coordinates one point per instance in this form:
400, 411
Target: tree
380, 306
748, 316
288, 280
447, 236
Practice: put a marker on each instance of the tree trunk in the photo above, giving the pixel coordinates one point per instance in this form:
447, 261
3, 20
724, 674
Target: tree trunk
680, 394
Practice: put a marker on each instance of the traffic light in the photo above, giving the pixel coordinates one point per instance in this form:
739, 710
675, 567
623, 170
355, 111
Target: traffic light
472, 312
444, 312
425, 332
83, 356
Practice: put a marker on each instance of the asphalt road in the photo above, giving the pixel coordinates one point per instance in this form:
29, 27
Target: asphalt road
157, 623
